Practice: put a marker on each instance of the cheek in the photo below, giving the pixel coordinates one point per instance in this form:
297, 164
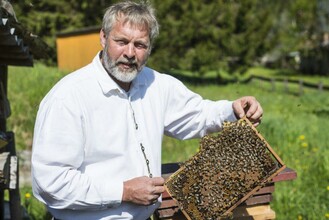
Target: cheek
114, 52
142, 57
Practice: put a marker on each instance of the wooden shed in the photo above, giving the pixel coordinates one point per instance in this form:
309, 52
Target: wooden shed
76, 49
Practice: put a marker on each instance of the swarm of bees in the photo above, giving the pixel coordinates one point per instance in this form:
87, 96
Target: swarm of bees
228, 169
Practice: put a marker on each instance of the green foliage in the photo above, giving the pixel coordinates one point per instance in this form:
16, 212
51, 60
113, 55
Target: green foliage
48, 18
198, 35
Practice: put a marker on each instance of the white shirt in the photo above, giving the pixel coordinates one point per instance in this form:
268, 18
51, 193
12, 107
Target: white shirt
86, 142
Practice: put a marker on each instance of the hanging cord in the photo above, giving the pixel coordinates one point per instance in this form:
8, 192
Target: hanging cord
146, 160
141, 145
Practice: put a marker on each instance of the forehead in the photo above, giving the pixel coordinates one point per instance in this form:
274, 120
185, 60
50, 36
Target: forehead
125, 26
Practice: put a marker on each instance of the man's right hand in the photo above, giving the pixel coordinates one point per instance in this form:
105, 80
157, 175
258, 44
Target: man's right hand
143, 190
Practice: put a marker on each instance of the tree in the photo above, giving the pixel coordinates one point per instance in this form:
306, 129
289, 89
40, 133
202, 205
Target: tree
48, 18
197, 35
212, 35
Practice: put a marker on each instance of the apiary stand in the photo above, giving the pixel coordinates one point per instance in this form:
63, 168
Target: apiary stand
255, 207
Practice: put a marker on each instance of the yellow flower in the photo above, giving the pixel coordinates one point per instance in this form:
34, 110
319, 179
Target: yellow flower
315, 149
304, 144
327, 215
328, 188
27, 195
299, 217
302, 137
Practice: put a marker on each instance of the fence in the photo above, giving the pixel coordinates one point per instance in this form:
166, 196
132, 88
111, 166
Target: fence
198, 80
300, 83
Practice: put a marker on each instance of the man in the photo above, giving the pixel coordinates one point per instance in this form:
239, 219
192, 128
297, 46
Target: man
98, 132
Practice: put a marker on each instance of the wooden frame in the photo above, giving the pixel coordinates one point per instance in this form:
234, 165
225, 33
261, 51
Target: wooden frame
187, 184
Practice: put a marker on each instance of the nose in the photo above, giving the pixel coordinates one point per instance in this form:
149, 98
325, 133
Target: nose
129, 52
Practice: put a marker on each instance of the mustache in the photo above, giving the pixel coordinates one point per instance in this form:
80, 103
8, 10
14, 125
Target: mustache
131, 62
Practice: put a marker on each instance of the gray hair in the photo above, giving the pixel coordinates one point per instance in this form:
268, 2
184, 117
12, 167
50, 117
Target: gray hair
140, 14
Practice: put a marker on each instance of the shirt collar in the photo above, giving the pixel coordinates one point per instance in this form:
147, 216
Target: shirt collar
108, 85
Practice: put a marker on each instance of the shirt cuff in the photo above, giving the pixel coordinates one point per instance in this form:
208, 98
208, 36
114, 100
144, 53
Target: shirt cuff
226, 111
112, 194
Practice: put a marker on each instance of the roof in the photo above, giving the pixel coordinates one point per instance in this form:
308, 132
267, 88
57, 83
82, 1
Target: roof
82, 31
18, 46
13, 50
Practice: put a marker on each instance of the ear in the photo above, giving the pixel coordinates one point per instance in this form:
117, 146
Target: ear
102, 37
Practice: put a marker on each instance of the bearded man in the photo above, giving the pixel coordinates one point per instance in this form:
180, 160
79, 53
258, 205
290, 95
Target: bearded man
98, 133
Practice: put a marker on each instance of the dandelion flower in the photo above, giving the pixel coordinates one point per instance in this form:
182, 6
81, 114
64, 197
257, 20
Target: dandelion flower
315, 149
304, 144
328, 188
327, 215
302, 137
27, 195
300, 217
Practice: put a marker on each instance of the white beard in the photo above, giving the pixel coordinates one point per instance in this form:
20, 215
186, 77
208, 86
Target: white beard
113, 69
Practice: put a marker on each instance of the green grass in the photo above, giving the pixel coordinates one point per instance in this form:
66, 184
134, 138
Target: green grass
295, 126
26, 88
35, 209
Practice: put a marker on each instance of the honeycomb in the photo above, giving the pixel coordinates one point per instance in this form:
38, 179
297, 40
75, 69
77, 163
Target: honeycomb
229, 167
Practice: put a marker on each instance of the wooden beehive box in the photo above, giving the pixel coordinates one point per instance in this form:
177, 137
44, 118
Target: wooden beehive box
229, 168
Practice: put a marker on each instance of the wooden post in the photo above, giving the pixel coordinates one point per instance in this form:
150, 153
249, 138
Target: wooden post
320, 86
260, 83
301, 89
273, 85
14, 195
286, 85
3, 80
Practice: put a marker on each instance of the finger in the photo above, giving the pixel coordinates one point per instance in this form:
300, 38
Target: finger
158, 190
251, 109
158, 181
255, 114
256, 123
153, 198
238, 109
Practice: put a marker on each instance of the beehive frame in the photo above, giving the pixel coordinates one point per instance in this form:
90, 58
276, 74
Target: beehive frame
227, 170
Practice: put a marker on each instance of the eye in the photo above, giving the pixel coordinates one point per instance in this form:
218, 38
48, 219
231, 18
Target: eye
140, 46
121, 42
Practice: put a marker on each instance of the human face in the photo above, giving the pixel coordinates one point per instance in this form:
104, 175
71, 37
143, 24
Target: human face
126, 51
